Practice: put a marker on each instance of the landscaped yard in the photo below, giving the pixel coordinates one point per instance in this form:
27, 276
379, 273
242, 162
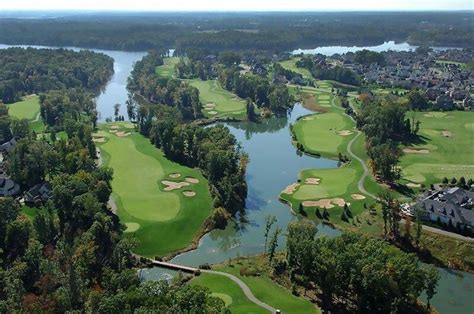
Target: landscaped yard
218, 102
447, 149
167, 69
154, 196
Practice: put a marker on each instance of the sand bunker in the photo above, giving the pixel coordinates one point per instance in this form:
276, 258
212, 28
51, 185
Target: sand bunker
114, 127
131, 226
210, 105
308, 118
358, 197
344, 133
415, 151
191, 180
99, 139
446, 133
208, 109
314, 181
174, 175
129, 126
414, 185
189, 193
113, 131
213, 112
122, 134
326, 203
290, 189
170, 185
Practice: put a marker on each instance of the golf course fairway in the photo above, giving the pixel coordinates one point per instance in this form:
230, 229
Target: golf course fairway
144, 201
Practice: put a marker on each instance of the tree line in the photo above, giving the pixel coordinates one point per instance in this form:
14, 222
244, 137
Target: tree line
337, 73
30, 71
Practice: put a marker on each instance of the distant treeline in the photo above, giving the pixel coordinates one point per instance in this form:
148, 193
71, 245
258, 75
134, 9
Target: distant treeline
29, 71
241, 31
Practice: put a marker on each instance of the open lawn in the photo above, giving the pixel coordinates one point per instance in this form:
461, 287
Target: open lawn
291, 65
167, 69
147, 206
446, 148
28, 108
218, 102
229, 292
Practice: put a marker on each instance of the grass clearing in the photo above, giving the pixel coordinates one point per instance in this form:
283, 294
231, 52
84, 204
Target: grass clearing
217, 101
448, 145
28, 108
167, 69
149, 212
291, 65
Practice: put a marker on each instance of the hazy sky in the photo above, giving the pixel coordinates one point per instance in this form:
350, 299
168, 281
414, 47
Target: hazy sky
240, 5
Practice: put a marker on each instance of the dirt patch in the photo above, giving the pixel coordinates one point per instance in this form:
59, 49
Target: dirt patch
213, 112
170, 185
446, 134
191, 180
344, 133
290, 189
122, 134
414, 185
99, 139
314, 181
189, 193
358, 197
415, 151
174, 175
324, 203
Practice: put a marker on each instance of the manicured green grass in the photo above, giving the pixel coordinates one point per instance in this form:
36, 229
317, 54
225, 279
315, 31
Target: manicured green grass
230, 290
224, 102
151, 213
448, 143
31, 212
271, 293
291, 65
167, 69
28, 108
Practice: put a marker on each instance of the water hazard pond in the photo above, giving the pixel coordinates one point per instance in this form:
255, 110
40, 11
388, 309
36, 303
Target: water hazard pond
273, 165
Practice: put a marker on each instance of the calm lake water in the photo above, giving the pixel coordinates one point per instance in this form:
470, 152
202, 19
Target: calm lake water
274, 164
388, 45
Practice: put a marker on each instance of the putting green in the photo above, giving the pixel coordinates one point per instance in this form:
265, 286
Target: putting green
139, 168
223, 102
28, 108
450, 142
224, 297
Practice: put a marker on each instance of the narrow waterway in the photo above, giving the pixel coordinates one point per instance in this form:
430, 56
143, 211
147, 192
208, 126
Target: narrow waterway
273, 165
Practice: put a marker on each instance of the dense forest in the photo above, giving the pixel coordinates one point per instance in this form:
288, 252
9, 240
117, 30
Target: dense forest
30, 71
274, 32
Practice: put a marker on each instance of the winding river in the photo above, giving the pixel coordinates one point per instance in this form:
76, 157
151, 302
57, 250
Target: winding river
274, 164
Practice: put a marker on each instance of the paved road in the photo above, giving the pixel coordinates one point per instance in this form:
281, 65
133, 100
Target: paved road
445, 233
248, 293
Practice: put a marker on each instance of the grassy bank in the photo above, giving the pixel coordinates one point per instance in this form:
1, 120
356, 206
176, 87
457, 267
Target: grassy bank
150, 212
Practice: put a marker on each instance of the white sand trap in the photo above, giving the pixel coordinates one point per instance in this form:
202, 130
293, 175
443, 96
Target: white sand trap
290, 189
189, 193
358, 197
113, 131
446, 133
324, 203
339, 202
308, 118
99, 139
415, 151
114, 127
344, 133
429, 115
314, 181
170, 185
132, 226
208, 109
129, 126
210, 105
414, 185
191, 180
122, 134
174, 175
213, 112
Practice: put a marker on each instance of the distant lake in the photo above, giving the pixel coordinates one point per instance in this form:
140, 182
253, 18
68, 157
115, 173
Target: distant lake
386, 46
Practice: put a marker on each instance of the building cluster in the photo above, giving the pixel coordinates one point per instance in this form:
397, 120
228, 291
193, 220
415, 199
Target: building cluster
449, 206
36, 195
444, 76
